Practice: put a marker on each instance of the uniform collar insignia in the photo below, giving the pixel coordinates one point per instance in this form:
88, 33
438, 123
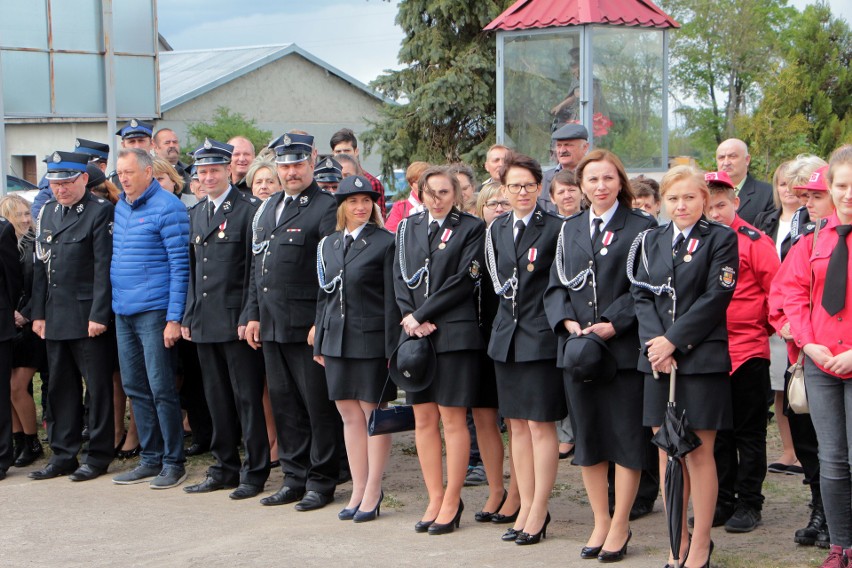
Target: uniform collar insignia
303, 200
226, 206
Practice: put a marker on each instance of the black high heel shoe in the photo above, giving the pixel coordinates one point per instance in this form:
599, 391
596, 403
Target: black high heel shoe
348, 514
364, 516
446, 528
423, 526
484, 516
499, 519
709, 554
527, 538
511, 535
606, 556
590, 552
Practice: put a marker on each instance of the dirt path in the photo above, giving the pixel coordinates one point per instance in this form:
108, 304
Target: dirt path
93, 524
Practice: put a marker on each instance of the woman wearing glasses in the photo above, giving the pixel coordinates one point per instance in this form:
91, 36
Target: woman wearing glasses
439, 260
519, 253
589, 293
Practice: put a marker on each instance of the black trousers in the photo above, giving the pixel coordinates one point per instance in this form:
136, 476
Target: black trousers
192, 398
804, 440
232, 373
741, 453
307, 422
6, 454
92, 359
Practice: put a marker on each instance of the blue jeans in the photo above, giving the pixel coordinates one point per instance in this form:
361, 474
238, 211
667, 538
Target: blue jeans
830, 401
148, 377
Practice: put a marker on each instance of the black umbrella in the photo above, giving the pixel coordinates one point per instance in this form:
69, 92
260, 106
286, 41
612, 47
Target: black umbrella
676, 439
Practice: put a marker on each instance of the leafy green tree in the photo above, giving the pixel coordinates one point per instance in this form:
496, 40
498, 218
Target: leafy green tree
807, 100
719, 57
226, 125
446, 92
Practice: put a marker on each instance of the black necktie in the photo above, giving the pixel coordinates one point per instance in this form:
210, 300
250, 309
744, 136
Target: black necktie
288, 200
677, 242
347, 242
834, 294
433, 231
210, 210
519, 234
597, 232
65, 211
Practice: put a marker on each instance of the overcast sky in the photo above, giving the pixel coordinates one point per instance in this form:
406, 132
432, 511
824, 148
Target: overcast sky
359, 37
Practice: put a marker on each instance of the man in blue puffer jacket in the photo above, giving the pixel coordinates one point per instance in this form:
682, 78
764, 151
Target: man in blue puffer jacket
150, 273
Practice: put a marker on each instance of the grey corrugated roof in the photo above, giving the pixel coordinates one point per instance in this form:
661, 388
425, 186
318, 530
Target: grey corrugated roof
185, 75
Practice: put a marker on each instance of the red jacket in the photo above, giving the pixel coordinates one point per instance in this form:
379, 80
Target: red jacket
748, 325
790, 290
401, 210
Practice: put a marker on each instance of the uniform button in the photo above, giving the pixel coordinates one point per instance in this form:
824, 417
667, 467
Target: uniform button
588, 323
591, 304
839, 318
204, 277
265, 270
839, 341
291, 240
205, 260
670, 311
266, 289
54, 285
689, 346
272, 237
205, 244
204, 294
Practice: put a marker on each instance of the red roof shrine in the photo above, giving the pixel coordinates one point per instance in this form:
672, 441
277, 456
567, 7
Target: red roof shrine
535, 14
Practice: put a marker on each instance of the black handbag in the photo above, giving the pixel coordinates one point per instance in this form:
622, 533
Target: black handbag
397, 418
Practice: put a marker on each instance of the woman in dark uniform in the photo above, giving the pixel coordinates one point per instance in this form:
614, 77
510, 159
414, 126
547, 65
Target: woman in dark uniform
28, 353
519, 252
589, 293
355, 271
698, 259
439, 259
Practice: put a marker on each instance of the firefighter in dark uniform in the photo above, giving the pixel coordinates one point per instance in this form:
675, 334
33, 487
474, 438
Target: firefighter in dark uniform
71, 310
280, 317
134, 134
328, 174
232, 373
11, 284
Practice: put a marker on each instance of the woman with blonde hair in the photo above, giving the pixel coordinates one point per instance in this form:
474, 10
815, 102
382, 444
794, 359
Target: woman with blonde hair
28, 350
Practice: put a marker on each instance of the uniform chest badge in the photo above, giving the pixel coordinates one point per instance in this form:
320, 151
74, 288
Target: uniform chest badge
728, 277
606, 240
475, 270
532, 255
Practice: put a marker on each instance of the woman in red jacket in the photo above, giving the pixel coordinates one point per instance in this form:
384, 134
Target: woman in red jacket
818, 303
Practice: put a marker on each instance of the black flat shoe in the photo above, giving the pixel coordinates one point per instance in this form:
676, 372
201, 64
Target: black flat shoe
499, 519
484, 516
525, 538
50, 471
120, 444
314, 500
590, 552
607, 556
447, 528
511, 535
208, 486
283, 496
423, 526
129, 454
245, 491
86, 472
195, 450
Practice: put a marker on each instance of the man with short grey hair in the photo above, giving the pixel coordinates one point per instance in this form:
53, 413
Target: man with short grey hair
732, 157
149, 274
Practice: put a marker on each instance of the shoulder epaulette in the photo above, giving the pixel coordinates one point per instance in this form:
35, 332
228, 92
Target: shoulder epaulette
750, 233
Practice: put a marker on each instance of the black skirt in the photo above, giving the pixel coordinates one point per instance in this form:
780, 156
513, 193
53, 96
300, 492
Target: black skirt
486, 394
706, 399
608, 420
358, 379
28, 349
531, 390
456, 381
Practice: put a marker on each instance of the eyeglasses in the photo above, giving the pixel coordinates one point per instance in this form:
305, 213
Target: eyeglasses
492, 204
517, 187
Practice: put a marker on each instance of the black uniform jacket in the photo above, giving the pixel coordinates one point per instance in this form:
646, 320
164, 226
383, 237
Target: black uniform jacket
366, 325
11, 279
73, 287
283, 289
704, 288
220, 267
614, 300
453, 273
526, 330
755, 198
